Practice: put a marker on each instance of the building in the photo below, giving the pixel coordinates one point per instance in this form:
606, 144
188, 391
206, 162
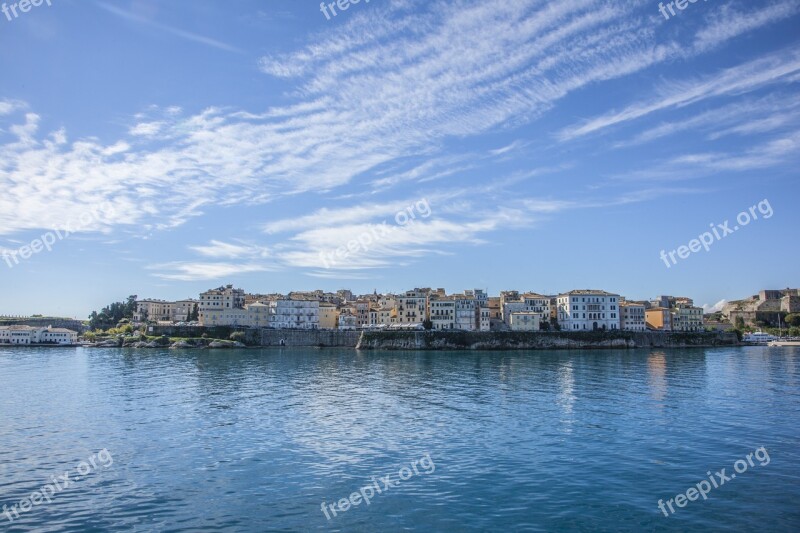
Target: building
588, 310
387, 315
495, 310
513, 302
348, 321
215, 301
443, 314
362, 313
412, 307
257, 315
237, 317
32, 335
294, 314
466, 312
149, 309
659, 318
632, 316
525, 321
328, 316
764, 307
687, 317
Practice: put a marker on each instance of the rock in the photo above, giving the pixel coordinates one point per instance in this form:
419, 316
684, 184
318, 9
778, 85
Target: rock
220, 344
181, 345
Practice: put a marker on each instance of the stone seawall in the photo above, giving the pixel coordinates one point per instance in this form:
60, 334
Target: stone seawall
316, 337
466, 340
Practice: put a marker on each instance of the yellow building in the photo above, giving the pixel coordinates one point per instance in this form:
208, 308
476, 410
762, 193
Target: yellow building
328, 316
659, 318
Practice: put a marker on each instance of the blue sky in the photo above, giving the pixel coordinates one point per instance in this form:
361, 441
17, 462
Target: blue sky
553, 145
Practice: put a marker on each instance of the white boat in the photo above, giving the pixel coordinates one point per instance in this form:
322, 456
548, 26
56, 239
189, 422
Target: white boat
759, 336
785, 342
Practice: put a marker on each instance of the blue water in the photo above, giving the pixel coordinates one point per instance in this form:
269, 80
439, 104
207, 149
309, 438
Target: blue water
257, 440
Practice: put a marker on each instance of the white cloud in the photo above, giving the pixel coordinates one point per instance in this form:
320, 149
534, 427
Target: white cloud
169, 29
727, 22
223, 250
708, 309
188, 271
775, 68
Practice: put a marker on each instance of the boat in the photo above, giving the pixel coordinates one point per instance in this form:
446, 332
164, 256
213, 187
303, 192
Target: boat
760, 337
785, 342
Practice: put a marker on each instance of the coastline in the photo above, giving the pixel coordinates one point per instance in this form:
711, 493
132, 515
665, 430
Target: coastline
431, 340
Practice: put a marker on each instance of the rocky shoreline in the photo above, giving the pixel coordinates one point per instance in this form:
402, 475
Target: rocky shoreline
196, 344
570, 340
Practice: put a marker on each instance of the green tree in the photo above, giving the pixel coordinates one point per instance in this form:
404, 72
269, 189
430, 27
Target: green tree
194, 315
111, 315
739, 322
427, 324
792, 320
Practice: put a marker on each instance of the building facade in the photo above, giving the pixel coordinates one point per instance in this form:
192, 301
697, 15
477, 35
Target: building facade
633, 317
412, 307
525, 321
294, 314
443, 314
588, 310
214, 302
24, 335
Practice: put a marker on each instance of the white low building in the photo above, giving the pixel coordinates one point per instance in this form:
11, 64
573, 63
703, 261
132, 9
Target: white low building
525, 321
294, 314
348, 321
30, 335
588, 310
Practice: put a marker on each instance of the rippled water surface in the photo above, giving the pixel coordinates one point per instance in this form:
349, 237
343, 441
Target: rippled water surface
257, 440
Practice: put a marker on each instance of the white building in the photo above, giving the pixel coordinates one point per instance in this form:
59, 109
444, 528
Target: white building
588, 310
348, 321
31, 335
443, 314
294, 314
632, 316
525, 321
467, 316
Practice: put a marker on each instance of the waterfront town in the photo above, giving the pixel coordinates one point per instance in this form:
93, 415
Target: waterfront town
427, 309
471, 310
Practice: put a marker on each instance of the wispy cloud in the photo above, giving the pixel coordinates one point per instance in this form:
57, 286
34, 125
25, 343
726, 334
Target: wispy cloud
169, 29
189, 271
776, 68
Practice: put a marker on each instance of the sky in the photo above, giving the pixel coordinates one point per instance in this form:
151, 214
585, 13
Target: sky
165, 148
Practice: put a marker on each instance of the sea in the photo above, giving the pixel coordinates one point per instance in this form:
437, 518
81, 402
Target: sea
321, 439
